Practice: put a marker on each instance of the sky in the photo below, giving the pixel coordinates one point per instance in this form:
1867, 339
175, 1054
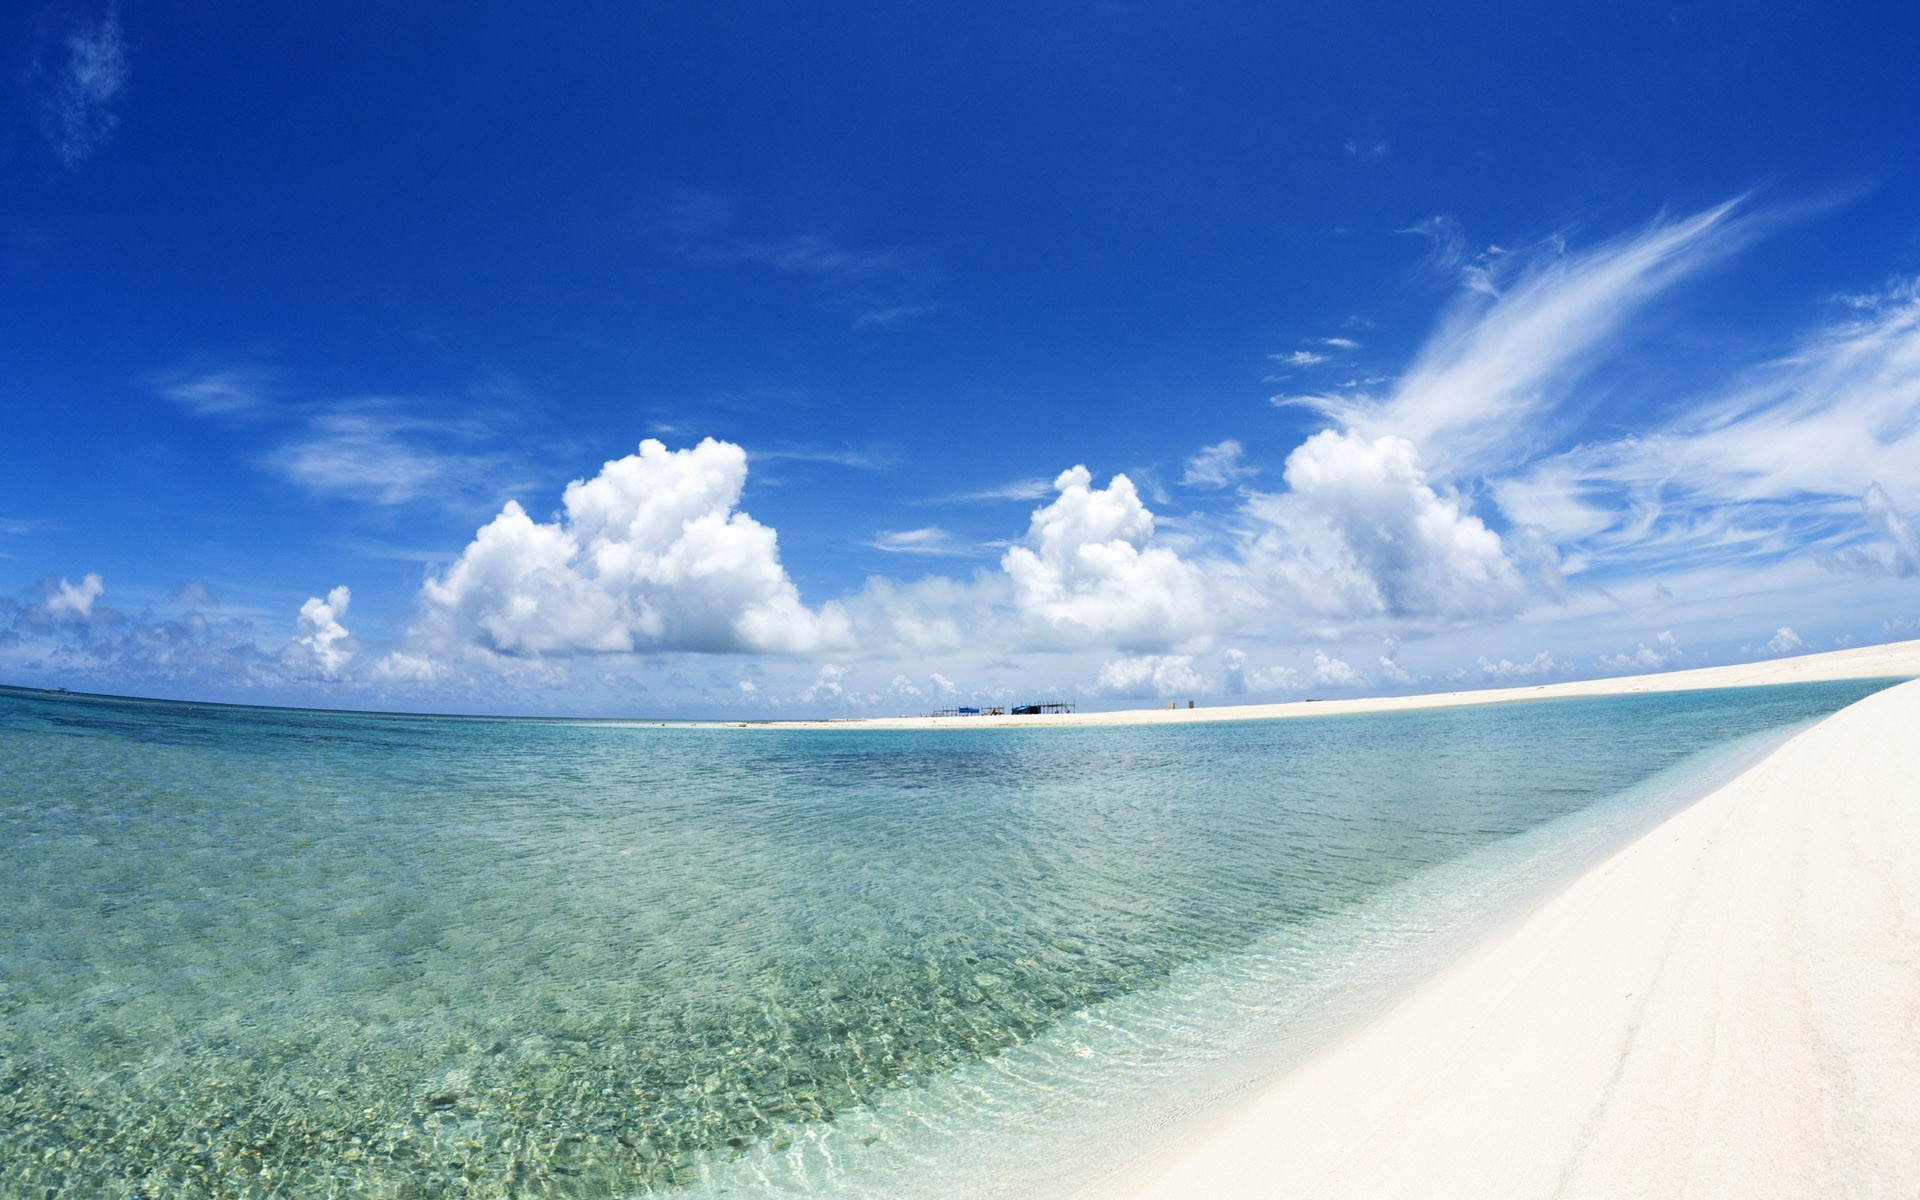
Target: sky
763, 360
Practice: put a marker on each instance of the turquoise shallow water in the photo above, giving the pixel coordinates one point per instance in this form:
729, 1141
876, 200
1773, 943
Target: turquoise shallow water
261, 953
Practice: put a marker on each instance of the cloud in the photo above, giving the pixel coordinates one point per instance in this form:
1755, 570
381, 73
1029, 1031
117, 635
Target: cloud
942, 686
369, 449
235, 391
77, 639
23, 526
1020, 489
1372, 530
193, 592
1087, 575
650, 554
1901, 556
1299, 358
1272, 679
1473, 399
827, 686
1784, 641
1798, 453
321, 638
1539, 665
809, 255
872, 458
881, 289
1448, 243
1362, 533
1333, 672
1664, 652
77, 600
1162, 675
83, 88
363, 451
404, 668
1219, 465
927, 540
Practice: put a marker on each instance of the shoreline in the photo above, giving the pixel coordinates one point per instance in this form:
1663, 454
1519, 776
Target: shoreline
1894, 660
1727, 1006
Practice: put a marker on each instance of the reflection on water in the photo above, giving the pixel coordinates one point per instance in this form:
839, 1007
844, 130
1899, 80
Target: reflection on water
250, 952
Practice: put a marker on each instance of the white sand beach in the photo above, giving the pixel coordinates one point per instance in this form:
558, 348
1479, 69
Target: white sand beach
1728, 1007
1896, 660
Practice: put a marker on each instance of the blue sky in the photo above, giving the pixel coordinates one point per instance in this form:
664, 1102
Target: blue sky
1108, 352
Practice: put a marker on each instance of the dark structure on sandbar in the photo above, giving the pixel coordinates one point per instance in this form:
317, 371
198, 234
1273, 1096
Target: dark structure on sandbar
994, 710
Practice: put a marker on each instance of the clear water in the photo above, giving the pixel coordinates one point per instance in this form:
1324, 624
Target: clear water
264, 953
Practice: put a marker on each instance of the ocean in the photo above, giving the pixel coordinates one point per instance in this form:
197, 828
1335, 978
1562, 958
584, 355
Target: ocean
257, 952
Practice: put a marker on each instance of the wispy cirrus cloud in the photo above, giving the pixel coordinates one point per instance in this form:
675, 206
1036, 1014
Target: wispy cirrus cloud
1222, 464
1815, 452
878, 287
930, 540
82, 79
237, 391
863, 458
1505, 358
381, 450
372, 451
1035, 488
1298, 358
24, 526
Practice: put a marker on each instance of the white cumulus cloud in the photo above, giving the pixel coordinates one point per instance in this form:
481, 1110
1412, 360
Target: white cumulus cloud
1539, 665
1333, 672
76, 599
650, 554
1394, 673
1087, 574
321, 634
1269, 679
1784, 641
1362, 533
828, 686
1664, 652
401, 667
1161, 675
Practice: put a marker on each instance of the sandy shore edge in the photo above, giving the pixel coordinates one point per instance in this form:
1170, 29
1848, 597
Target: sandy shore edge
1896, 660
1728, 1007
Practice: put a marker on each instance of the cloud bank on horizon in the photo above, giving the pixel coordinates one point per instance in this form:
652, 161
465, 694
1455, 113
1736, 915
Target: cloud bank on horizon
1449, 500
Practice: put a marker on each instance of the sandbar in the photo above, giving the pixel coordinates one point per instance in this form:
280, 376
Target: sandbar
1727, 1007
1897, 660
